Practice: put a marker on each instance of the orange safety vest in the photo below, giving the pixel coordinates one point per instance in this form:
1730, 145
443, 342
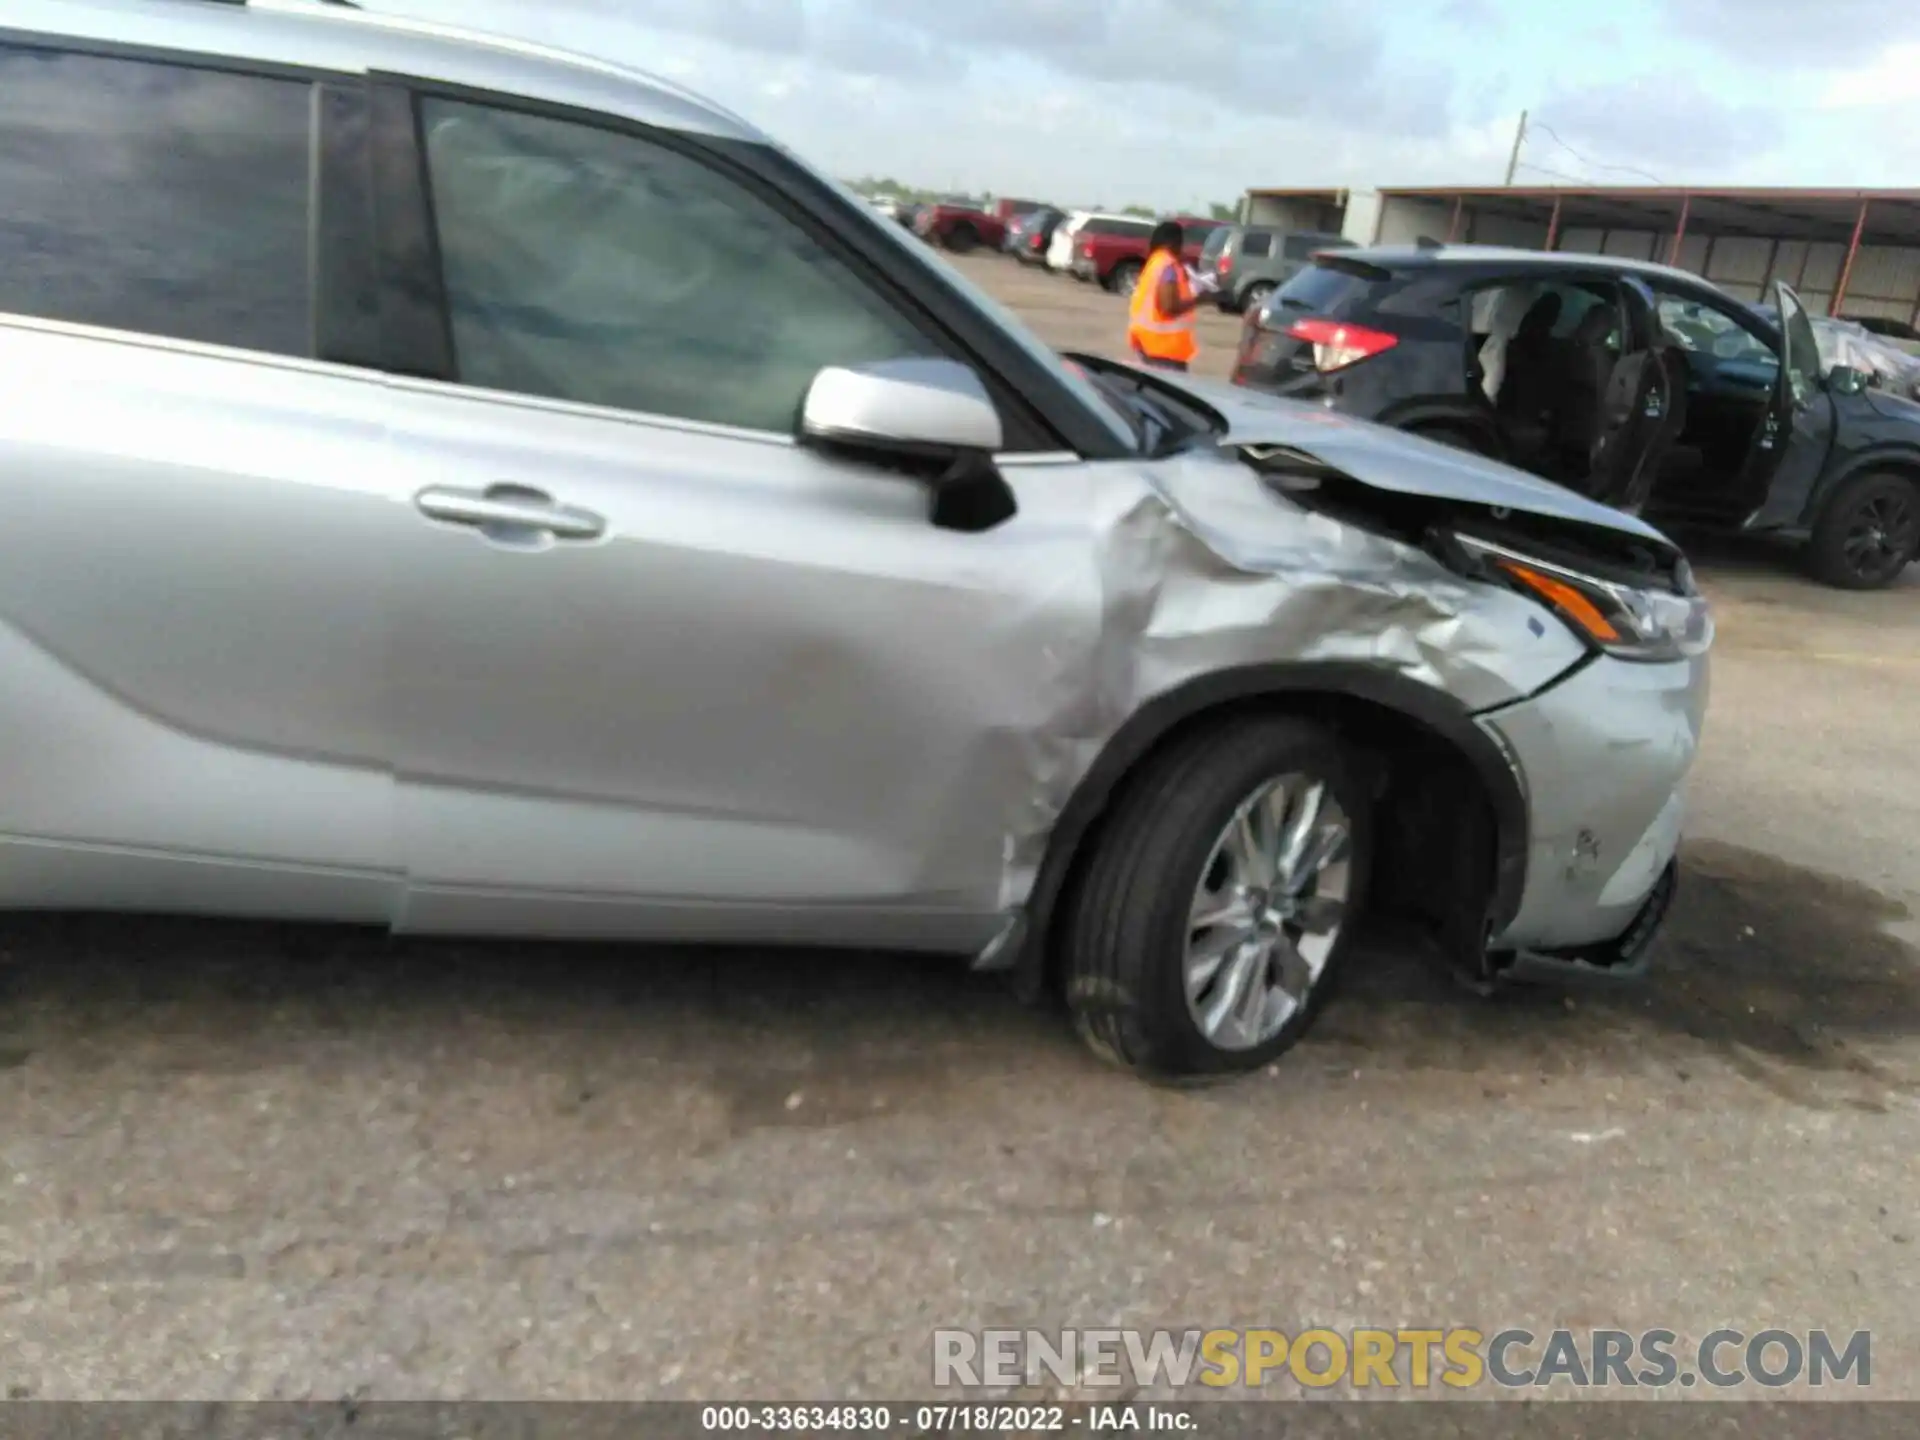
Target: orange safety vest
1158, 336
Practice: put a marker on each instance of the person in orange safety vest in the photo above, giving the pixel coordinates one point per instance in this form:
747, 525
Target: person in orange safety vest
1160, 319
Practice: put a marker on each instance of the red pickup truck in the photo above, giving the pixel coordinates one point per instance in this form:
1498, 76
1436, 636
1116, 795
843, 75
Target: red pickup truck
960, 227
1114, 254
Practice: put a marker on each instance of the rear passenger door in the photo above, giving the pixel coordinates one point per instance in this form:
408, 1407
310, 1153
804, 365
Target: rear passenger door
198, 519
1639, 396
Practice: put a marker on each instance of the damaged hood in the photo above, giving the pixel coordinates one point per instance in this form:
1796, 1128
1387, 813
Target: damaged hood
1389, 459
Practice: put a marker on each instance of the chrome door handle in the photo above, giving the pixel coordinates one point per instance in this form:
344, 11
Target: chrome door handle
509, 508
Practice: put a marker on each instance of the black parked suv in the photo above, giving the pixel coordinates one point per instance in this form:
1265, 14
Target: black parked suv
1637, 384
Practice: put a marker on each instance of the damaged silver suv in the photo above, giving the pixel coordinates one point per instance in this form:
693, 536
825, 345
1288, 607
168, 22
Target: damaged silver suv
464, 488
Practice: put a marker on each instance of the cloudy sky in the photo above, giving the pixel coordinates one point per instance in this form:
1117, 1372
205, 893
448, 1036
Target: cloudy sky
1174, 103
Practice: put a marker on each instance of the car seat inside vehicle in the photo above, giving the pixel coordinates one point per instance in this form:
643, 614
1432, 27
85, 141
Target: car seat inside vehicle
1547, 362
1585, 379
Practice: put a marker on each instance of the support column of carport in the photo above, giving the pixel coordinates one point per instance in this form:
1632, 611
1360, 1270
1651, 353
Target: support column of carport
1680, 228
1853, 251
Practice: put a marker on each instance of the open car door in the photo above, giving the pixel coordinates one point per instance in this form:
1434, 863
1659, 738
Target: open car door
1790, 447
1639, 396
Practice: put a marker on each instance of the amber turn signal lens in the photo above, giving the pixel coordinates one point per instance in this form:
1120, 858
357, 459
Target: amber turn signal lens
1567, 600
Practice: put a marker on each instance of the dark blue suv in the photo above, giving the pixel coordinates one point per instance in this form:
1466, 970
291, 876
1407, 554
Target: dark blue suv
1636, 384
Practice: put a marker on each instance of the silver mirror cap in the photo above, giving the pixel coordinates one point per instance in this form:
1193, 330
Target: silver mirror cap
925, 404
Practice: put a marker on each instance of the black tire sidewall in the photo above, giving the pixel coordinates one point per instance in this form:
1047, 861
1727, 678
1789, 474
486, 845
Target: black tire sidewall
1827, 553
1123, 277
1454, 437
1176, 1043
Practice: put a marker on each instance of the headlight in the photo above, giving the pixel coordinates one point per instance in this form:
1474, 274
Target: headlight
1632, 622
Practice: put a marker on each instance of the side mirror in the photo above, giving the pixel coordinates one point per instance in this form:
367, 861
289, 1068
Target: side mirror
1845, 380
931, 418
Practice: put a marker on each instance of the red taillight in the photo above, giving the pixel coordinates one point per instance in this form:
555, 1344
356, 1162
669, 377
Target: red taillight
1225, 267
1336, 346
1087, 249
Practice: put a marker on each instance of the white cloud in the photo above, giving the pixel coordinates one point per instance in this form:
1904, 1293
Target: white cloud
1891, 78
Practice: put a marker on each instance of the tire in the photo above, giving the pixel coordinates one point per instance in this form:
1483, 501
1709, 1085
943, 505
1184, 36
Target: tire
1129, 922
1123, 277
1454, 437
962, 238
1256, 295
1868, 532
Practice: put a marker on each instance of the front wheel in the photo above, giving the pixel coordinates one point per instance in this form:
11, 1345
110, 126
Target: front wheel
1220, 898
1868, 533
1125, 276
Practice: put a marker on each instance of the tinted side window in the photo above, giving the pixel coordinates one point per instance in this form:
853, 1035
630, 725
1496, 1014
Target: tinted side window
1257, 245
1322, 290
156, 198
590, 265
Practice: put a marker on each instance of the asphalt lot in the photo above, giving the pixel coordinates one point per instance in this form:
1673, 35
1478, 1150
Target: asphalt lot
259, 1161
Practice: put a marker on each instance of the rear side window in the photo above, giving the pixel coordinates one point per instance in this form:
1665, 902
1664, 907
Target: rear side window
162, 199
1323, 290
1258, 245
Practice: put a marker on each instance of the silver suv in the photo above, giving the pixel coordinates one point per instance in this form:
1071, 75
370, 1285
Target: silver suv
459, 487
1247, 263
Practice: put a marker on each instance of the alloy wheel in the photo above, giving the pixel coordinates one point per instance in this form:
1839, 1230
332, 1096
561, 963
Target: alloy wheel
1883, 534
1269, 908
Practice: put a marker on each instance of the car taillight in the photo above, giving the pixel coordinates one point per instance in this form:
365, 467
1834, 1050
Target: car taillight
1087, 249
1226, 265
1336, 346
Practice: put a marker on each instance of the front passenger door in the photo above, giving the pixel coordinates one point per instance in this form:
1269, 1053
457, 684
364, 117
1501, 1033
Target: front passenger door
661, 671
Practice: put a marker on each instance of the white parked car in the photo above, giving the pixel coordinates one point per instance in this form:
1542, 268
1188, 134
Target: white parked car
1060, 248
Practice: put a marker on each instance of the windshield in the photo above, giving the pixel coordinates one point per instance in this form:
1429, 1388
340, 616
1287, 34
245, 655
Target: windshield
938, 272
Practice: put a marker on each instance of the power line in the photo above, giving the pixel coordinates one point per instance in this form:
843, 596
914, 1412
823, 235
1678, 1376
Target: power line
1591, 164
1557, 174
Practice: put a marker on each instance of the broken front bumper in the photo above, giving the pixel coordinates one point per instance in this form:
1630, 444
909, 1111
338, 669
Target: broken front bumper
1622, 958
1603, 757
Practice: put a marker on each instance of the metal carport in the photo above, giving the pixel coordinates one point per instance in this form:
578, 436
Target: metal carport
1852, 251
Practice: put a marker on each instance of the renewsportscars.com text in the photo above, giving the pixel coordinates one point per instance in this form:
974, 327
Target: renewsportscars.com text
1458, 1357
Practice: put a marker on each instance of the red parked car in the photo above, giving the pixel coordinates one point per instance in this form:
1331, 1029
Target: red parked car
1010, 210
960, 227
1114, 254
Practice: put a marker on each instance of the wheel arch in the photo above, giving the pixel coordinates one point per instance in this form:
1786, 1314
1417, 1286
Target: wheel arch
1892, 459
1435, 414
1422, 739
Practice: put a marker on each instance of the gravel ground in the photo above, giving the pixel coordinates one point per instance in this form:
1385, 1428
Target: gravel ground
256, 1161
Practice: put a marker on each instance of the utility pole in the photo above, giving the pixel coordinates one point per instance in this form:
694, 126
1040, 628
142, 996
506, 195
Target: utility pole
1519, 139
